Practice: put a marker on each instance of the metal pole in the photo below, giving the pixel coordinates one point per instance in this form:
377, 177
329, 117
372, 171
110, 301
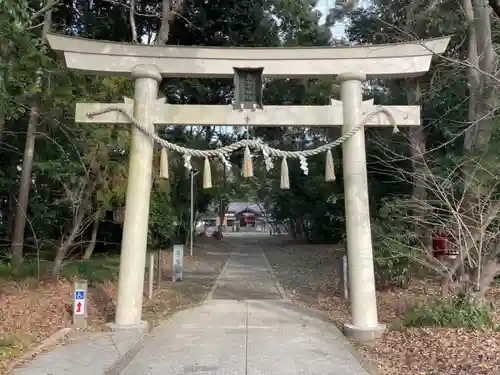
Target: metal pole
192, 215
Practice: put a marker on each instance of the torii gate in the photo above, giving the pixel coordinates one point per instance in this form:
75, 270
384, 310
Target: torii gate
147, 65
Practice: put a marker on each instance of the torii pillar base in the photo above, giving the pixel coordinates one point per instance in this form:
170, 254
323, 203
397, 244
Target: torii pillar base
364, 334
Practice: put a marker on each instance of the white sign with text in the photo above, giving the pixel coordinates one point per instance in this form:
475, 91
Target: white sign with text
177, 262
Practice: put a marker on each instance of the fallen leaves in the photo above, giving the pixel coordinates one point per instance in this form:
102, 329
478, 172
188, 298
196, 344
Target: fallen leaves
32, 311
433, 351
29, 313
308, 273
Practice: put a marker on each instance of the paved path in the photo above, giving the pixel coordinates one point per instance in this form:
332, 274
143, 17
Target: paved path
246, 274
245, 327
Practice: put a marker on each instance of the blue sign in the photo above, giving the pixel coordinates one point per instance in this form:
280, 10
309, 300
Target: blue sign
80, 294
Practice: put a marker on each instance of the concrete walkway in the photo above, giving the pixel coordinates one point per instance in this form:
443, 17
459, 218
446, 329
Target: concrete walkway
245, 327
246, 275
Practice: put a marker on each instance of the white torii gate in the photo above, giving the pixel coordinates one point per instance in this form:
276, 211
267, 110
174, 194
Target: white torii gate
147, 65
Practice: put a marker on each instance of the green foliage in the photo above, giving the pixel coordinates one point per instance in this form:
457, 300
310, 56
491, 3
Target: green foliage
27, 270
162, 223
317, 205
453, 311
16, 74
393, 244
10, 346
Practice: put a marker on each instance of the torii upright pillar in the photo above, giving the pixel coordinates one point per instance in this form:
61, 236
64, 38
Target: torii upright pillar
135, 225
364, 325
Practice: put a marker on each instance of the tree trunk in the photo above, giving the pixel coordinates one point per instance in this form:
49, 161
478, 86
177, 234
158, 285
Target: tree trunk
486, 99
131, 18
95, 228
222, 214
169, 10
418, 149
29, 152
473, 76
63, 249
299, 229
2, 124
486, 274
25, 183
486, 277
305, 230
222, 206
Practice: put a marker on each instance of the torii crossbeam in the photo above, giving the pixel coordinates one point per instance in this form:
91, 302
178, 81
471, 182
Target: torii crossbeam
224, 115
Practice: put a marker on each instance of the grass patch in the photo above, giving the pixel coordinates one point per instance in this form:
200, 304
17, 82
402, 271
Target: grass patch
9, 347
28, 269
98, 269
453, 311
94, 270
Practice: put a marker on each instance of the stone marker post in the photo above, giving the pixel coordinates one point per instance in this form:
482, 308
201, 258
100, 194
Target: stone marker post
135, 226
151, 275
177, 262
80, 288
345, 280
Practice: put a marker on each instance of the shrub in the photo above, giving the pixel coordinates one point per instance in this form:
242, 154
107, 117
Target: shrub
454, 311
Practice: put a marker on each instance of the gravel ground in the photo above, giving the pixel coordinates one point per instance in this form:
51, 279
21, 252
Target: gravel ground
309, 274
302, 269
199, 275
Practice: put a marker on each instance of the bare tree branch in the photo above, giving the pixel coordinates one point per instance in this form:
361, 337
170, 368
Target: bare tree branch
128, 7
495, 6
49, 6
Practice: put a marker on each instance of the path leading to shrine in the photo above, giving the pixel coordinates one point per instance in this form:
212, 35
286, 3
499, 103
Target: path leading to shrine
246, 326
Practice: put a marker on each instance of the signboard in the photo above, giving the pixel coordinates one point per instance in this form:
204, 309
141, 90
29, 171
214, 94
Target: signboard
177, 262
248, 88
79, 304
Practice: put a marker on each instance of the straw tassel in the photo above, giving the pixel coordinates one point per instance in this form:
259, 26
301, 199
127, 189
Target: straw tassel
247, 163
329, 167
207, 175
164, 163
285, 180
